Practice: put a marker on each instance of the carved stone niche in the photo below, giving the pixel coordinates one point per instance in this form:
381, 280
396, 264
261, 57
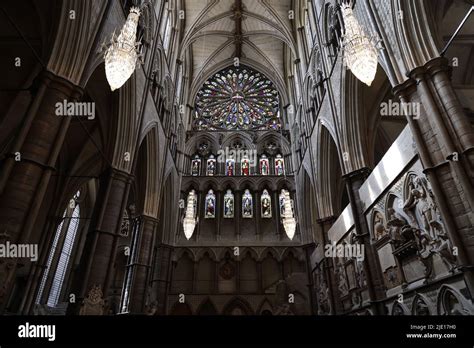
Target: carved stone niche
408, 244
422, 209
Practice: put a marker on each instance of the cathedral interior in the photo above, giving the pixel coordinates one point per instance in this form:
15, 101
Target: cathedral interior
237, 157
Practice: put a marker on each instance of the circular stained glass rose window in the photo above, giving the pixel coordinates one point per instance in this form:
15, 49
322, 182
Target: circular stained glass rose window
237, 98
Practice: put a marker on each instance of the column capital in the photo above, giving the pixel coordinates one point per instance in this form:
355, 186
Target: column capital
432, 67
53, 80
326, 219
121, 175
149, 218
363, 172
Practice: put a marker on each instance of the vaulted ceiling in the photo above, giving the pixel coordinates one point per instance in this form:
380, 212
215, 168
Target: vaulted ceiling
255, 31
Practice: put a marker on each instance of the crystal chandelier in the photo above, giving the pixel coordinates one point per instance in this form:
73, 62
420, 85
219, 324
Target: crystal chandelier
189, 222
289, 222
121, 56
360, 54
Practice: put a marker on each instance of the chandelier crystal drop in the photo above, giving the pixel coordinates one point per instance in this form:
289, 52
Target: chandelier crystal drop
189, 222
289, 222
360, 54
122, 54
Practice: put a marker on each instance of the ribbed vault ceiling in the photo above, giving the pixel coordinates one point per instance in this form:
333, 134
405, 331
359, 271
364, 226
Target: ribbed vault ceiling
255, 31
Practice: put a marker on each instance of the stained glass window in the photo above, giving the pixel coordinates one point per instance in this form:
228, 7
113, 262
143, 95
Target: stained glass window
196, 166
65, 234
264, 165
279, 165
245, 166
266, 205
211, 166
247, 205
237, 98
229, 204
210, 205
229, 166
282, 203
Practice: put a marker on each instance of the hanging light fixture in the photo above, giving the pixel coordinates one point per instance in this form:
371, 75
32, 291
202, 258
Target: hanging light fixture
189, 222
360, 54
122, 54
289, 222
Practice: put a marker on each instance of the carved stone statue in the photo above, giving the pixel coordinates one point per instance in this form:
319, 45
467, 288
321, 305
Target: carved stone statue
425, 253
421, 207
379, 228
395, 224
342, 281
323, 296
93, 304
360, 273
444, 248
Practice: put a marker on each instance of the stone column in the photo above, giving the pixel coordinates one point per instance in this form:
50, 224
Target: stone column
258, 216
374, 279
160, 282
328, 266
237, 212
276, 211
141, 265
97, 261
219, 212
23, 183
308, 249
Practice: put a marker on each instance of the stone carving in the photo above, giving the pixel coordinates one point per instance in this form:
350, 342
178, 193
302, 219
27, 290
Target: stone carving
356, 299
420, 307
379, 227
425, 252
152, 308
323, 294
93, 304
414, 226
391, 277
360, 274
125, 226
395, 224
444, 247
421, 207
341, 280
